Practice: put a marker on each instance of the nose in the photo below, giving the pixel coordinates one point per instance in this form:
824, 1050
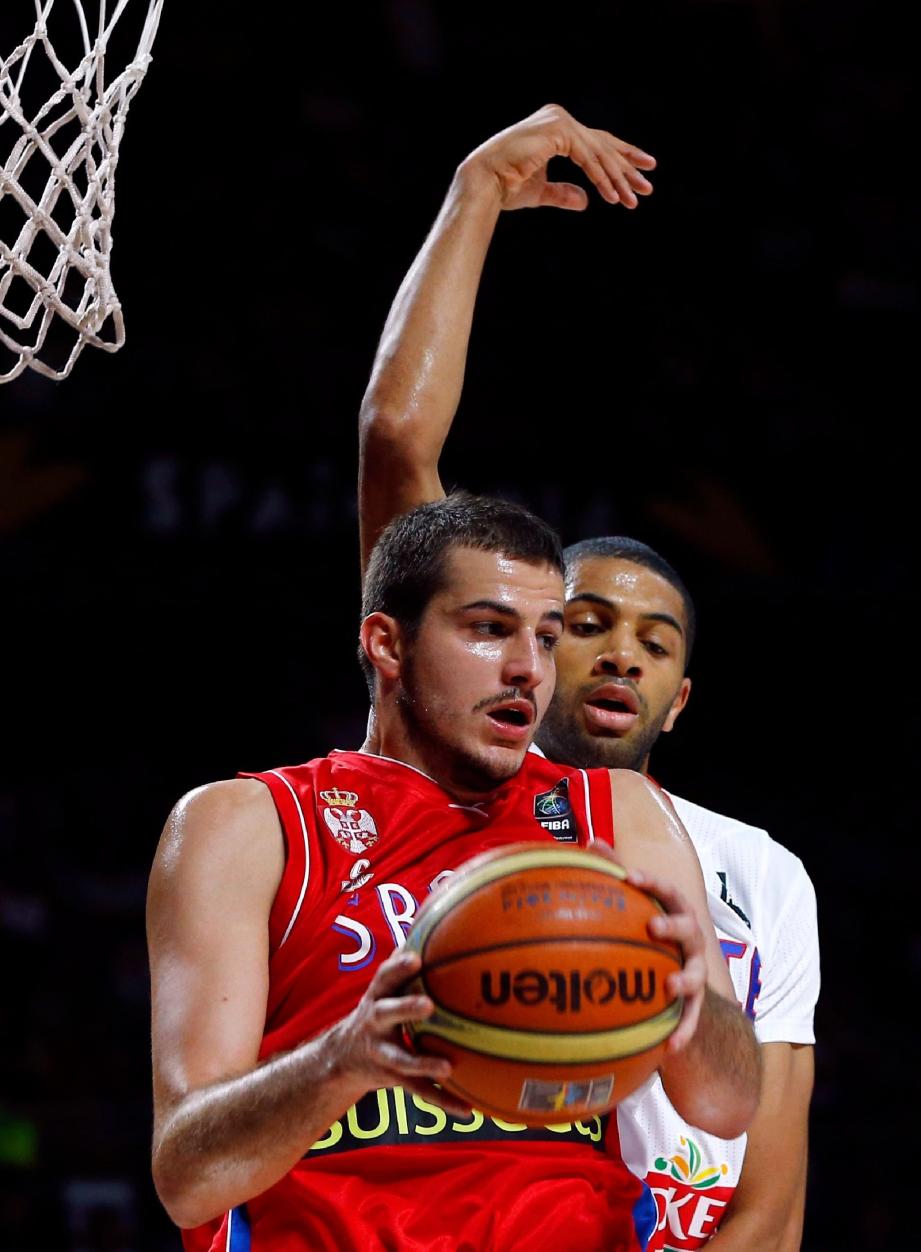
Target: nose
526, 662
620, 658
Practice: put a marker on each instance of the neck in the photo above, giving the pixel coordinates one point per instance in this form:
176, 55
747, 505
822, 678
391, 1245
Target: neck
390, 736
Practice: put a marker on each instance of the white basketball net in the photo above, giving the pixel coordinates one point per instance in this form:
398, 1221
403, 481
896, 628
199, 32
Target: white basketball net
60, 172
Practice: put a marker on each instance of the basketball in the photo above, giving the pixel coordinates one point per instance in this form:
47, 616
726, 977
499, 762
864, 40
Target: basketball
549, 992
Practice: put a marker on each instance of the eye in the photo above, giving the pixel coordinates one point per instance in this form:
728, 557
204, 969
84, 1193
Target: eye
550, 641
583, 630
494, 629
655, 648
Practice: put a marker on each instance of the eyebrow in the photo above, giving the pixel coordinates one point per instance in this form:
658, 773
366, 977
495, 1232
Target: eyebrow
505, 610
666, 618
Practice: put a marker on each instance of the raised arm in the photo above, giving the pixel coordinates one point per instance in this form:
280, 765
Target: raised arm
712, 1069
418, 371
226, 1126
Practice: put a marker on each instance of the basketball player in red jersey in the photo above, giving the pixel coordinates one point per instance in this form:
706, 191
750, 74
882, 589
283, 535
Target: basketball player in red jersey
287, 1112
621, 680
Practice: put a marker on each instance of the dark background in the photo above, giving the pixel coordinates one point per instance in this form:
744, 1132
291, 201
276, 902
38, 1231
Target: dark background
727, 373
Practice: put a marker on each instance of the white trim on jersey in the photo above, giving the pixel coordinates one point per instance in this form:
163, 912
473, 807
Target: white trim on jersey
376, 756
588, 806
300, 898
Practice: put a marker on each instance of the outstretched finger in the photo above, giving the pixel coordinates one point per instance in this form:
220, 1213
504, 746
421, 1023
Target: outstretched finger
640, 184
589, 161
636, 156
622, 168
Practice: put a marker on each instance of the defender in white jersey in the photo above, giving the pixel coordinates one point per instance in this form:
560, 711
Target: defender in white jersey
621, 681
763, 908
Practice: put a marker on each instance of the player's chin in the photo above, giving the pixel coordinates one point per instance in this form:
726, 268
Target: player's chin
625, 751
504, 760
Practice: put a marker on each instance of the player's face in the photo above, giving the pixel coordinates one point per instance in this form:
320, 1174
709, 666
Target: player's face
478, 676
620, 666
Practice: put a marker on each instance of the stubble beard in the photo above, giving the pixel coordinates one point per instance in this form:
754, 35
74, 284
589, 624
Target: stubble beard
447, 761
564, 740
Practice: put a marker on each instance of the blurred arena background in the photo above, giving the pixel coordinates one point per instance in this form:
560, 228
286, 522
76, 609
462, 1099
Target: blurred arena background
727, 373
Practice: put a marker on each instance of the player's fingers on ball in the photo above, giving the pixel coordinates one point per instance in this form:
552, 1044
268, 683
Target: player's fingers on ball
412, 1064
652, 883
679, 927
607, 852
690, 980
664, 891
390, 1013
393, 972
683, 1033
437, 1095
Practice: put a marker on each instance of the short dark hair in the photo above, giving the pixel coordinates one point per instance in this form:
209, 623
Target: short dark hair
623, 548
407, 565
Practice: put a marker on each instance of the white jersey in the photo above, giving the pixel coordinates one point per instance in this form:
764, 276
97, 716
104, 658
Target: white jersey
763, 907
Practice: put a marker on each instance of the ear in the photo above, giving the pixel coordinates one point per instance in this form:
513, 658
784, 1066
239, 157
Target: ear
678, 704
382, 641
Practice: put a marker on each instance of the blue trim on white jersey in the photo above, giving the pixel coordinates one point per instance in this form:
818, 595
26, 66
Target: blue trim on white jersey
645, 1216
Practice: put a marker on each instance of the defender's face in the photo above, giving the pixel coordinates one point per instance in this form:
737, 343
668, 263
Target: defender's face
620, 665
478, 676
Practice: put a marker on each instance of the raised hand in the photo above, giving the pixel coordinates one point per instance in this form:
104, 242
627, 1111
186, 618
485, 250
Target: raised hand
516, 160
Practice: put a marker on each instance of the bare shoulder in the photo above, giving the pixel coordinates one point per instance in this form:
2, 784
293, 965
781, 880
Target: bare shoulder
643, 810
633, 791
223, 834
627, 784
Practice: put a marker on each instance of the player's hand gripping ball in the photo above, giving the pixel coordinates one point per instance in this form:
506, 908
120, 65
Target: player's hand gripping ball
549, 992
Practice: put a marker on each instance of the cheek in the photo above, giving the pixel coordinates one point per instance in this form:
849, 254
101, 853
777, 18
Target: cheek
463, 673
545, 691
572, 659
665, 696
482, 649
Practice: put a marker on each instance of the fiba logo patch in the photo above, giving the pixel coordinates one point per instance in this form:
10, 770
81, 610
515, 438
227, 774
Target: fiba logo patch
553, 809
351, 827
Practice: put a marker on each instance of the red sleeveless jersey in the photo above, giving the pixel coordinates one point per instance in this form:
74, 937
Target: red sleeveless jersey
367, 838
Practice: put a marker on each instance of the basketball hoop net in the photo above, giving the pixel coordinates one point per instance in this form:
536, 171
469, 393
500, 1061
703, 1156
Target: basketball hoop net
57, 185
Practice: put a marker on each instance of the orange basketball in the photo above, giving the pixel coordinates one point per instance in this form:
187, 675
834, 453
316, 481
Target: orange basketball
549, 993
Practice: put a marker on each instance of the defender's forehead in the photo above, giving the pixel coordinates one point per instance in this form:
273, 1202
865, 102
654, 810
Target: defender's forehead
624, 585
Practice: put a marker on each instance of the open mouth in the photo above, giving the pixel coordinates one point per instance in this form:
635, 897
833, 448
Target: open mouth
612, 709
512, 720
612, 706
511, 717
